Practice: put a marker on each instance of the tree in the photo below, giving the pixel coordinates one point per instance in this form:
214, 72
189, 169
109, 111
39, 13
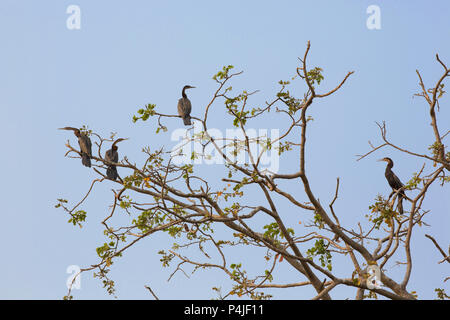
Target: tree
212, 213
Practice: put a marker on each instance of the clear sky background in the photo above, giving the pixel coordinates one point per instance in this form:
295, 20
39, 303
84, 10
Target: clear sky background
130, 53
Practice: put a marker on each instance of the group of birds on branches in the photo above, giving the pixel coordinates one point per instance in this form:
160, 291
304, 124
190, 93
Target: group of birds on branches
184, 111
111, 155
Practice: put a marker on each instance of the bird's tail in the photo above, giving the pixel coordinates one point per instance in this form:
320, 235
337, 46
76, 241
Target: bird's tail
400, 205
111, 172
401, 195
85, 159
187, 121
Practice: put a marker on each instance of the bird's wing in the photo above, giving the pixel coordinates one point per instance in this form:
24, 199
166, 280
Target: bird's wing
115, 156
112, 156
184, 107
89, 146
108, 155
85, 144
188, 106
181, 111
398, 183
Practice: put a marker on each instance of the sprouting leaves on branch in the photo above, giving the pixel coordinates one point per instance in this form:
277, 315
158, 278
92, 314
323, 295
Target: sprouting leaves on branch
320, 249
145, 113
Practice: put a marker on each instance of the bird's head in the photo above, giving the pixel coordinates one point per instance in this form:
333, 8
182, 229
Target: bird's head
386, 159
75, 130
183, 93
117, 141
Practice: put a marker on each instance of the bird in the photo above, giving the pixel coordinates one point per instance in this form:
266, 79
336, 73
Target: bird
112, 155
394, 182
85, 145
184, 106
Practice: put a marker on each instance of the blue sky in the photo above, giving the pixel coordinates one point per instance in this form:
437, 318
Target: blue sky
129, 54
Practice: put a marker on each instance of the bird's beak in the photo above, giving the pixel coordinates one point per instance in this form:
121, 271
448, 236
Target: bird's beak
381, 160
119, 140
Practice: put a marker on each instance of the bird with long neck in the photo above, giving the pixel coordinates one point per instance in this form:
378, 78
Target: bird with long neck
112, 155
85, 145
394, 182
184, 106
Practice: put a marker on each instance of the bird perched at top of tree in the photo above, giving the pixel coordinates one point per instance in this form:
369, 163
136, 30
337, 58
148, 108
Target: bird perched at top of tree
85, 145
184, 106
112, 155
394, 182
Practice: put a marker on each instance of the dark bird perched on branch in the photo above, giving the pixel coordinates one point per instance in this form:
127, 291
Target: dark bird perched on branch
394, 182
85, 145
112, 156
184, 107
